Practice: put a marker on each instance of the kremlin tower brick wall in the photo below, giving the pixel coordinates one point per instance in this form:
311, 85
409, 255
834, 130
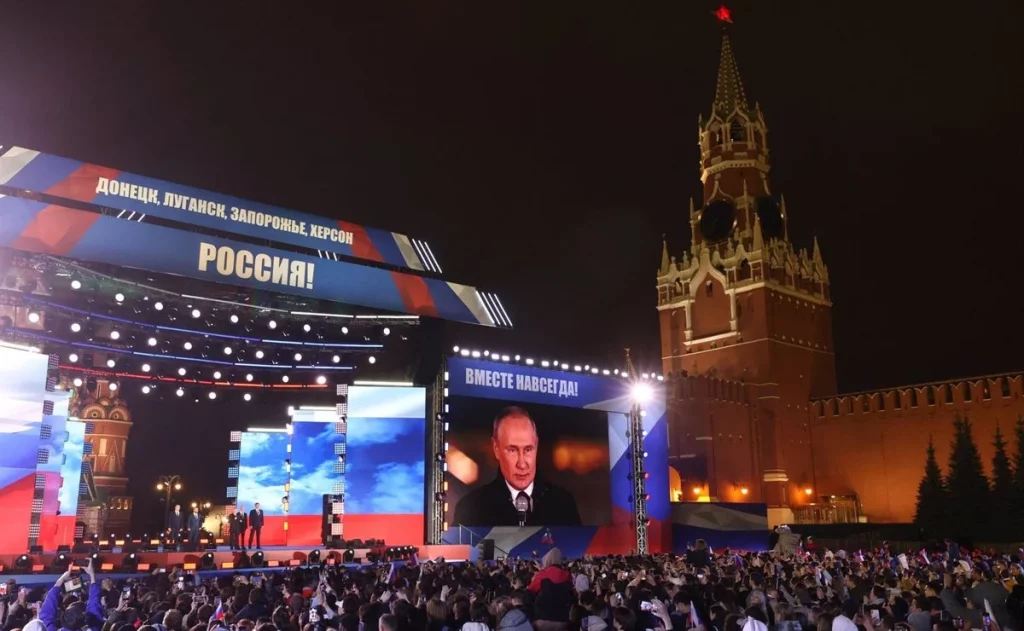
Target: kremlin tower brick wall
746, 340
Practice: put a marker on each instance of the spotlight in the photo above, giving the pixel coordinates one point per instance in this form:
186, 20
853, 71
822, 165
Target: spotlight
336, 359
151, 341
272, 324
321, 380
212, 395
344, 330
234, 319
372, 360
146, 389
114, 335
131, 562
744, 490
182, 371
257, 559
76, 284
180, 392
196, 313
33, 317
387, 331
217, 375
259, 354
313, 558
248, 376
146, 368
77, 382
284, 378
73, 357
61, 561
187, 346
23, 562
119, 297
298, 357
159, 306
247, 397
111, 363
112, 386
227, 350
206, 562
75, 327
307, 328
642, 393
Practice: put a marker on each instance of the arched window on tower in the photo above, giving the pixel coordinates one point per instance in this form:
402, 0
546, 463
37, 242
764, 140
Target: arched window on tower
738, 130
709, 288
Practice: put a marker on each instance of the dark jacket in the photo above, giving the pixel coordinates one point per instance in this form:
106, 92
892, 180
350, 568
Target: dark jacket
491, 505
49, 612
195, 522
239, 522
554, 590
253, 612
175, 521
256, 519
996, 595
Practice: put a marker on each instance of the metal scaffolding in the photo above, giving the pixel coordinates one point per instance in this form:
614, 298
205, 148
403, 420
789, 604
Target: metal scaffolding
636, 450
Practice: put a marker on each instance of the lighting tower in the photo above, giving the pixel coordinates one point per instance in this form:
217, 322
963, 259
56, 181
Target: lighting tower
640, 393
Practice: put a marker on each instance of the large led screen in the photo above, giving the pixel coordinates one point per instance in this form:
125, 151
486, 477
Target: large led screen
557, 457
262, 471
71, 468
315, 469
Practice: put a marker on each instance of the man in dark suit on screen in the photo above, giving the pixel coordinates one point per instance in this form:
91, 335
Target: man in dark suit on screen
517, 486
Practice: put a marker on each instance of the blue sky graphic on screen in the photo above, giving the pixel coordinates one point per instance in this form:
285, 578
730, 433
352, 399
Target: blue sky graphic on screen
386, 447
262, 474
312, 466
22, 384
71, 468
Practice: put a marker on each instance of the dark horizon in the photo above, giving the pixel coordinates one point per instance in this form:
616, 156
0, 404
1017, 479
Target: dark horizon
544, 151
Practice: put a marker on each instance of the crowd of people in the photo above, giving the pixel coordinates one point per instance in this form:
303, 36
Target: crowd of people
700, 590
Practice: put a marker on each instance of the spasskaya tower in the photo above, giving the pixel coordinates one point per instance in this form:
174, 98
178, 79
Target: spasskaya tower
745, 321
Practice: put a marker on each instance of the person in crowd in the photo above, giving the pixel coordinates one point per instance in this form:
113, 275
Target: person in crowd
195, 523
255, 526
73, 616
552, 587
175, 522
517, 496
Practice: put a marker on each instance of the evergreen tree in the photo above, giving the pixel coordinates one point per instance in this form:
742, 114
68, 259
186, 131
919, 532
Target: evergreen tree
1003, 520
931, 496
1017, 486
968, 489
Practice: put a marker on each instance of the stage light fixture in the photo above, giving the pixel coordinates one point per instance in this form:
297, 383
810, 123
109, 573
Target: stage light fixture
151, 341
112, 386
217, 374
313, 558
111, 363
182, 371
298, 357
272, 324
372, 359
234, 319
285, 378
344, 330
119, 297
180, 392
77, 382
73, 357
196, 313
212, 395
307, 328
256, 560
336, 359
641, 393
146, 389
146, 368
76, 284
23, 562
115, 335
130, 562
259, 354
61, 561
227, 350
206, 562
321, 380
75, 327
387, 331
187, 346
33, 317
247, 397
248, 376
159, 306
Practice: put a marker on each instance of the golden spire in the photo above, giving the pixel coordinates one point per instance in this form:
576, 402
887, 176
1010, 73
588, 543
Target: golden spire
729, 94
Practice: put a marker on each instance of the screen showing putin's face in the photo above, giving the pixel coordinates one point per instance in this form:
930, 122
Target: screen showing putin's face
515, 447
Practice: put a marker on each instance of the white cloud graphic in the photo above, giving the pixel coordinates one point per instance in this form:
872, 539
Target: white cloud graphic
308, 489
397, 489
380, 431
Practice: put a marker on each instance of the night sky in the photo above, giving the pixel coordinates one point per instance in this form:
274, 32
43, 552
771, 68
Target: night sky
543, 149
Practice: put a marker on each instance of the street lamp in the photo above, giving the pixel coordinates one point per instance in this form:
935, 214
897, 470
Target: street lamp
168, 484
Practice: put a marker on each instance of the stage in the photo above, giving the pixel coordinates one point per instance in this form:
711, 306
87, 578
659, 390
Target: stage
112, 563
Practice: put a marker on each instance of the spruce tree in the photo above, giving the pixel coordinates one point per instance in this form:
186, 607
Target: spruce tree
969, 494
1002, 489
1017, 486
931, 496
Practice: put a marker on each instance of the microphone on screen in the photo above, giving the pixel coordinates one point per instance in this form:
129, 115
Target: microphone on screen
522, 503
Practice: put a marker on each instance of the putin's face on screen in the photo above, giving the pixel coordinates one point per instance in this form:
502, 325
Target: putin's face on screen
515, 447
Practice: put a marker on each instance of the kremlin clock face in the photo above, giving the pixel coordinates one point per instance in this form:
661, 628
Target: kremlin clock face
769, 212
716, 220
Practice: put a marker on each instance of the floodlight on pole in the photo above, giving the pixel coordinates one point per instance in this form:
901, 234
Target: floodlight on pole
641, 392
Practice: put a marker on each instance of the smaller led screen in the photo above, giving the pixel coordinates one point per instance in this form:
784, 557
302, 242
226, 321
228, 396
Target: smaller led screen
262, 471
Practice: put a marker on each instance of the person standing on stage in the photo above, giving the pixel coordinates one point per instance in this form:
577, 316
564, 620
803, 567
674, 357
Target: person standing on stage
195, 522
175, 523
256, 524
239, 523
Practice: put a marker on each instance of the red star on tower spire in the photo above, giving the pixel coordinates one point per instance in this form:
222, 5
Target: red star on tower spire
723, 14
